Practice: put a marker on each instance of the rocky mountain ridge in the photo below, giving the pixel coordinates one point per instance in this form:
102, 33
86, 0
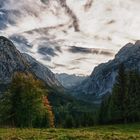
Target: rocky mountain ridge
103, 77
11, 60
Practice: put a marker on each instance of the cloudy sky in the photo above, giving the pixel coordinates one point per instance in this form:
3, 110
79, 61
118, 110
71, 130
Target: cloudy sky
70, 36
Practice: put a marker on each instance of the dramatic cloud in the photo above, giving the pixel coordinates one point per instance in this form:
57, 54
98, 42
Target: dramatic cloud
71, 36
46, 51
81, 50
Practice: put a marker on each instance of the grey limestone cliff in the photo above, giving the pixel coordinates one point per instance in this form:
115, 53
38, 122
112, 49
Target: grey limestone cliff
103, 77
11, 60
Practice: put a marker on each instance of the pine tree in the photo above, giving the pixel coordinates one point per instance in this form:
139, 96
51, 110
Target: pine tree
117, 103
104, 111
26, 102
123, 106
69, 121
133, 96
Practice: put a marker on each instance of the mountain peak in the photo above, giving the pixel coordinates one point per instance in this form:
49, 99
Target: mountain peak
128, 50
11, 60
137, 43
103, 76
4, 41
3, 38
7, 46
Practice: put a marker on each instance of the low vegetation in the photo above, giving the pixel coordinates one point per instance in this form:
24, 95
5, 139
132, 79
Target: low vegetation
111, 132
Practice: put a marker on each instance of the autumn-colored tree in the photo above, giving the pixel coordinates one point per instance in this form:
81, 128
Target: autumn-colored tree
49, 109
25, 104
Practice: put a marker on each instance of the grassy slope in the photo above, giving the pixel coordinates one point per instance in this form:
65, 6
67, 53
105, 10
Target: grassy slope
112, 132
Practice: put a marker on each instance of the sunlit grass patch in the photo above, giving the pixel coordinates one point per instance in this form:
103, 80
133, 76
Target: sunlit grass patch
110, 132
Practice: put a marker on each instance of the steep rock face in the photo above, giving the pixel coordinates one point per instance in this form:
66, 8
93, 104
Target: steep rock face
11, 60
41, 71
102, 79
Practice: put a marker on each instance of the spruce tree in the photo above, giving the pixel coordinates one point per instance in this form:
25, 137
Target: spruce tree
26, 101
123, 106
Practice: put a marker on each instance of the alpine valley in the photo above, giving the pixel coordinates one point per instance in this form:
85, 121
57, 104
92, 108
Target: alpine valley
64, 66
103, 77
12, 61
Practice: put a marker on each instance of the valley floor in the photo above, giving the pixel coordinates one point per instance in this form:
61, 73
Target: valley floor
111, 132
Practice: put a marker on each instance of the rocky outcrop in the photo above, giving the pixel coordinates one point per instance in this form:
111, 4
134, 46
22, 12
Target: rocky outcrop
41, 71
102, 79
11, 60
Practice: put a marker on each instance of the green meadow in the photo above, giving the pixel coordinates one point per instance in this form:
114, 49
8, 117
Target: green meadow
109, 132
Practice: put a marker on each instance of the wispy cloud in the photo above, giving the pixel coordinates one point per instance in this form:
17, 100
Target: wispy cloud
45, 30
81, 50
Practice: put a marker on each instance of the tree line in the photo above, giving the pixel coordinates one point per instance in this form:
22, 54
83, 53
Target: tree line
26, 103
123, 104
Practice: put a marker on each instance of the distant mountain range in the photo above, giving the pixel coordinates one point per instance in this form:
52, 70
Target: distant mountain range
69, 81
103, 77
92, 88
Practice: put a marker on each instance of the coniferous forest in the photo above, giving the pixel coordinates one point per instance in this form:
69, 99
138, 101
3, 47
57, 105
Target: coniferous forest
123, 104
69, 70
31, 107
26, 104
